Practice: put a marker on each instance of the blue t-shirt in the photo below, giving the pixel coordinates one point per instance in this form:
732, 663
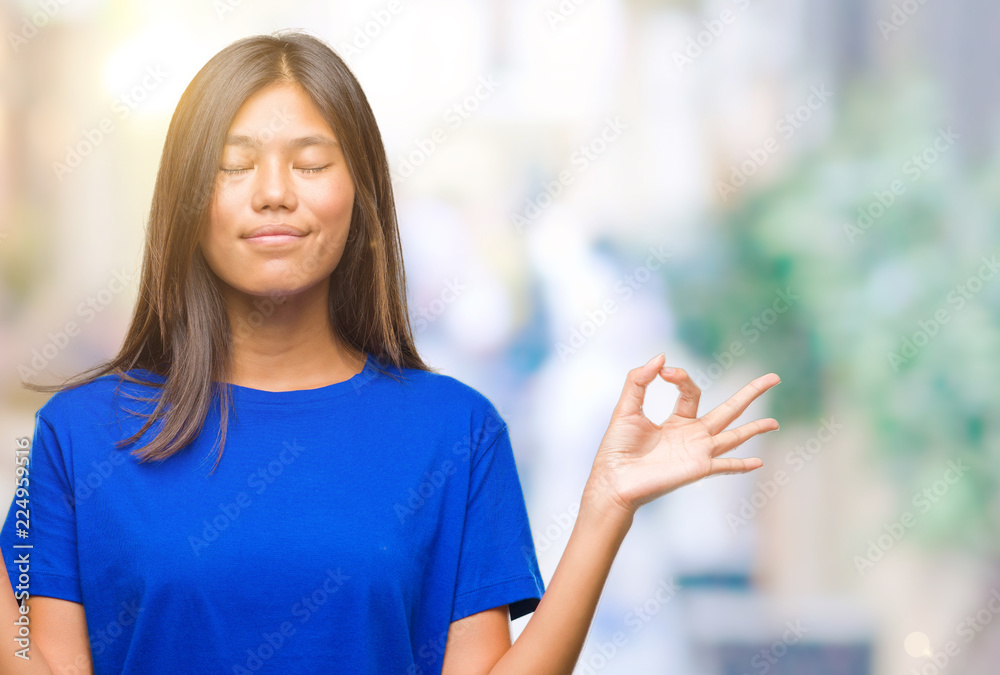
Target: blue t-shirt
343, 530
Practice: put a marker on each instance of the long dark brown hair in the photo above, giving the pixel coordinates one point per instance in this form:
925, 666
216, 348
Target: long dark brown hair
179, 328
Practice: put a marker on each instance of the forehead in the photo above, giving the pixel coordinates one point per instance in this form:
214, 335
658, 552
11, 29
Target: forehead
282, 113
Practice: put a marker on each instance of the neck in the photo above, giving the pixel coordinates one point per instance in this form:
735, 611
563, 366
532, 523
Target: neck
287, 342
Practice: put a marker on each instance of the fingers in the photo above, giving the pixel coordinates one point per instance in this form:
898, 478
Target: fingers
690, 394
728, 440
723, 415
724, 465
634, 391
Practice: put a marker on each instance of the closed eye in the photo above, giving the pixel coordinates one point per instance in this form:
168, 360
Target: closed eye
316, 169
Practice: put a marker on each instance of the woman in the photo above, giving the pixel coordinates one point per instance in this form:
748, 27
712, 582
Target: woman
369, 516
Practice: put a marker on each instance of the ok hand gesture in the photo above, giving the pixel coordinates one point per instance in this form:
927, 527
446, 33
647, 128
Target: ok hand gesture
639, 461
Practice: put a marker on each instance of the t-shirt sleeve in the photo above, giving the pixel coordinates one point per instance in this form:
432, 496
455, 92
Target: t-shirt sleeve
497, 563
45, 561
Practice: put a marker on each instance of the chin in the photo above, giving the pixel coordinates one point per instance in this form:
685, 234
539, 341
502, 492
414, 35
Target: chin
272, 288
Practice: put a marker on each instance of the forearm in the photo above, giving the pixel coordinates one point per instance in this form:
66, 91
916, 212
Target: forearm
30, 661
553, 638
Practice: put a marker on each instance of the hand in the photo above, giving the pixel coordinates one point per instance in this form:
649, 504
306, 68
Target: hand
639, 461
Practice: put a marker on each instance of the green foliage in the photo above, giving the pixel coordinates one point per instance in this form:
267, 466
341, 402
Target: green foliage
863, 292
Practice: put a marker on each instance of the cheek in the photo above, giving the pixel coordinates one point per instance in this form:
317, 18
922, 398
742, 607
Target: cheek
226, 203
334, 202
211, 250
213, 236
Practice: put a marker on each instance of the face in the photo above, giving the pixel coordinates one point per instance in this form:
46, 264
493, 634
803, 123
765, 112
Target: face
283, 197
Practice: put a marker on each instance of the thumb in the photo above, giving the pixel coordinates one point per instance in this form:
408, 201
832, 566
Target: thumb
634, 391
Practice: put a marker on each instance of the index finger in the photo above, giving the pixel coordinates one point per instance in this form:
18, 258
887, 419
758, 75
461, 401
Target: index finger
689, 393
723, 415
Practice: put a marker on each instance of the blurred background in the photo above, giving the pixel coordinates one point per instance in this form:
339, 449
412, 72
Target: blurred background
809, 188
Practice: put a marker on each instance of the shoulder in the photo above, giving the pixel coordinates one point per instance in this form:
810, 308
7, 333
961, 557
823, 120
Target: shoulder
449, 391
447, 398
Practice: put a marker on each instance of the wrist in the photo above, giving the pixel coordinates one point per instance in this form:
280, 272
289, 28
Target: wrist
599, 502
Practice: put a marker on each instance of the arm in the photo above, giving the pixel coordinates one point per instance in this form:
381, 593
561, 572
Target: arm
10, 612
637, 462
476, 642
552, 640
58, 629
481, 640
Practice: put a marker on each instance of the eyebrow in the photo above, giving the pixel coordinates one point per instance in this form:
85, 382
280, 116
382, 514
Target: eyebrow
300, 142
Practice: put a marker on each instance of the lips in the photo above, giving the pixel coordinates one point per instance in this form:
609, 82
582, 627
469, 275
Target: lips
274, 229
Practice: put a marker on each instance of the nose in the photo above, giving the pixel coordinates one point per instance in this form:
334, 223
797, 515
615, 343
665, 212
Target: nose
274, 187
